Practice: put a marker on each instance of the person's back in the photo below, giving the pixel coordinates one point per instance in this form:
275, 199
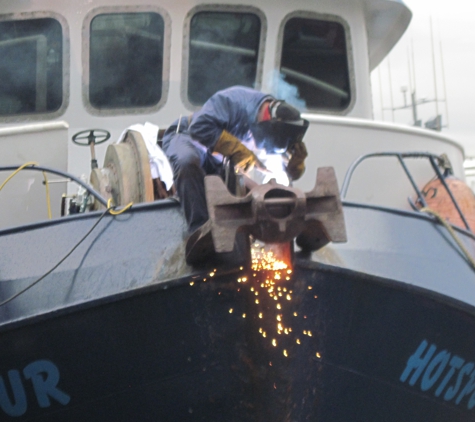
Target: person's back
227, 119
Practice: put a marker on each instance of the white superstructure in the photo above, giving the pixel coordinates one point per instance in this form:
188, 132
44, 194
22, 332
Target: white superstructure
110, 64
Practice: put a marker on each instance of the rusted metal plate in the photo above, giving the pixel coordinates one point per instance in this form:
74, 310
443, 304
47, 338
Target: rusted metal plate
275, 213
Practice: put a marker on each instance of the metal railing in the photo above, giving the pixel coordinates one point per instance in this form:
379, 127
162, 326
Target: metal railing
437, 162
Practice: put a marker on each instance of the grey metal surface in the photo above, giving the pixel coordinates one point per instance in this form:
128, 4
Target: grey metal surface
125, 252
146, 246
404, 246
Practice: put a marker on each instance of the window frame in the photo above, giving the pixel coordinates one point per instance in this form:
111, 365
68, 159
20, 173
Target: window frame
51, 115
86, 35
185, 62
307, 14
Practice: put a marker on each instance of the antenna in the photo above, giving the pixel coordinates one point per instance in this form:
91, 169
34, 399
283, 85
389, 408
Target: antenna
381, 92
413, 66
412, 88
435, 75
417, 122
436, 123
404, 91
391, 88
445, 89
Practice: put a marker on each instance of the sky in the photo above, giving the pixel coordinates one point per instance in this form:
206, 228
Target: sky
453, 28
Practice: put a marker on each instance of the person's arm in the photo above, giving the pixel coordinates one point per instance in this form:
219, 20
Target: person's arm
296, 166
241, 157
208, 124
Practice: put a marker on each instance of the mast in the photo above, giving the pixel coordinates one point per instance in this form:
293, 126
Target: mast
436, 100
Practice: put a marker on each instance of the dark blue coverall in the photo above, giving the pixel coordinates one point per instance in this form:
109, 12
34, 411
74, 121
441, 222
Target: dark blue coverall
189, 144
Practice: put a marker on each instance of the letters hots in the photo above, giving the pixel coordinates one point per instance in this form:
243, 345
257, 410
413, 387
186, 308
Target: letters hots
448, 376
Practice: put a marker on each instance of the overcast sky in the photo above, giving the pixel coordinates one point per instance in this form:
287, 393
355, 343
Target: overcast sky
453, 24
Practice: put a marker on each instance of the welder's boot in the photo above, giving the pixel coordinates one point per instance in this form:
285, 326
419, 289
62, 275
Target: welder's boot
199, 246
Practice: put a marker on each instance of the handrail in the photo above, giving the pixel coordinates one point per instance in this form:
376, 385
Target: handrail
435, 161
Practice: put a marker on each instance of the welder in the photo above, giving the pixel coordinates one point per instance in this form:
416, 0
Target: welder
233, 123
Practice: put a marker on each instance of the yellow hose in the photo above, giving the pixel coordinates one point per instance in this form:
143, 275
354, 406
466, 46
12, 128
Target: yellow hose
48, 197
32, 163
111, 211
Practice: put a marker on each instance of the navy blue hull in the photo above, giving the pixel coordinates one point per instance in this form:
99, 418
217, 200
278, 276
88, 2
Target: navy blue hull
203, 351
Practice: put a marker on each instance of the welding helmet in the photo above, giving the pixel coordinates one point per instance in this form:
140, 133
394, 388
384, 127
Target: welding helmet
282, 128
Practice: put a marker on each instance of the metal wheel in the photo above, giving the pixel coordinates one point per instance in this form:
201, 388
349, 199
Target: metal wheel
93, 136
126, 175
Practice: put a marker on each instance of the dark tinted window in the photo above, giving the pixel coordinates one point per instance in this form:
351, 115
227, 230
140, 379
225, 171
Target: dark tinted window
314, 60
223, 52
31, 66
126, 60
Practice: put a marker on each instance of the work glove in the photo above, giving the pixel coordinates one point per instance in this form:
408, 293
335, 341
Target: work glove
241, 157
296, 165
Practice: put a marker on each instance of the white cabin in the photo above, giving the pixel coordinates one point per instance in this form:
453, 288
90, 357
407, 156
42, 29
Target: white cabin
70, 66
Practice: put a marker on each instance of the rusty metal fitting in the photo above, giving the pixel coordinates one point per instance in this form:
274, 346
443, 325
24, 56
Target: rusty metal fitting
275, 213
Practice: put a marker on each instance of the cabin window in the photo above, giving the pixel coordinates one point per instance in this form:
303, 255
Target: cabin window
223, 51
314, 64
126, 60
31, 66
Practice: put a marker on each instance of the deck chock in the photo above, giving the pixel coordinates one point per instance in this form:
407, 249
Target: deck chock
275, 213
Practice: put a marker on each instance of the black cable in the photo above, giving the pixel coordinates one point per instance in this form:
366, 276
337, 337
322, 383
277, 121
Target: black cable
59, 263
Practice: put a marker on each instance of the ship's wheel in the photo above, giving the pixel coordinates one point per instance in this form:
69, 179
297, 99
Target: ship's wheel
125, 176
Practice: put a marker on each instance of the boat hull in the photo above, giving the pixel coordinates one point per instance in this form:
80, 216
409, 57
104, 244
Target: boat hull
202, 349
